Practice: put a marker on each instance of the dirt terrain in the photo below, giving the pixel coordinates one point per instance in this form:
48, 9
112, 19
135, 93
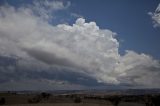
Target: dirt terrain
74, 104
47, 99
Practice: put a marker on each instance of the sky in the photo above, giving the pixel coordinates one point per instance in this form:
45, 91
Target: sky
76, 44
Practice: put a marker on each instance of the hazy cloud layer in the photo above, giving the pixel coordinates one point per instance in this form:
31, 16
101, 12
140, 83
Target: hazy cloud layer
40, 84
81, 48
156, 16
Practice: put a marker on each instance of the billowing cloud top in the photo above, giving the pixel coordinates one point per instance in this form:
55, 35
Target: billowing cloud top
82, 48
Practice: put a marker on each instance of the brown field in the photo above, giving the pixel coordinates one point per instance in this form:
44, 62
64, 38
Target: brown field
74, 104
46, 99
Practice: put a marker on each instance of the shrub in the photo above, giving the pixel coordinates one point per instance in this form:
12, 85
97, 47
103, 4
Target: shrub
45, 95
77, 100
34, 100
2, 101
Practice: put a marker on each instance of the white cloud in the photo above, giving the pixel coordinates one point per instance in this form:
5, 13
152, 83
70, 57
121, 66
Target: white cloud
156, 16
82, 47
138, 69
45, 8
76, 15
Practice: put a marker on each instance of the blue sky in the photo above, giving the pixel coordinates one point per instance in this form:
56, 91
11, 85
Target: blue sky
72, 44
128, 18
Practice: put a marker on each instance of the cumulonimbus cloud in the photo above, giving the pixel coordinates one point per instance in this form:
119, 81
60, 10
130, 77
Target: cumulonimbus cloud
82, 47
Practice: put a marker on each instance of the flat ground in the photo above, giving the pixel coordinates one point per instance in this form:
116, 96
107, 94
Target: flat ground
75, 104
45, 99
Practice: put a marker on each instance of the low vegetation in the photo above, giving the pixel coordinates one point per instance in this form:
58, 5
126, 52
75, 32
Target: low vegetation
2, 101
108, 100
